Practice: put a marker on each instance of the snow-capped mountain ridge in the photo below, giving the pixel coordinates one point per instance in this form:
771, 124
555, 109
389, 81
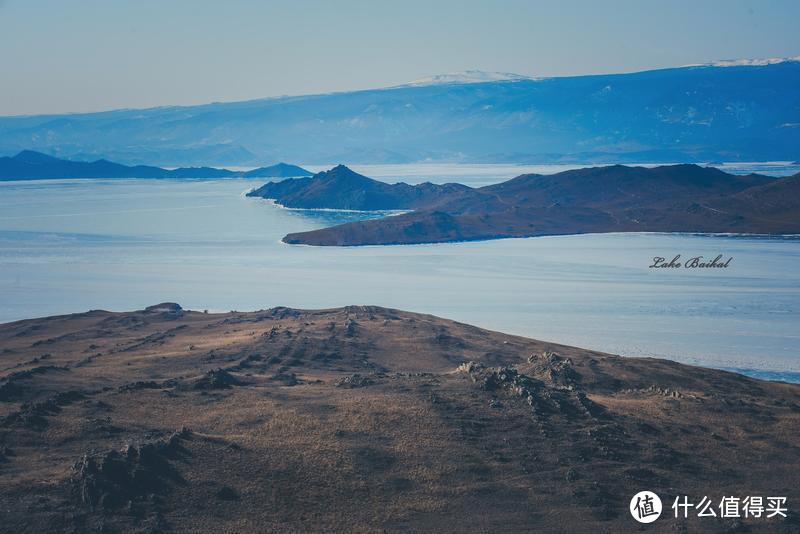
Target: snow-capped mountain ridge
480, 76
747, 113
469, 76
747, 62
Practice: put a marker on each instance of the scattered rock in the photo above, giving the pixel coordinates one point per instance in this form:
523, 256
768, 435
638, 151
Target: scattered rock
11, 389
33, 415
216, 379
554, 368
657, 390
350, 327
141, 384
158, 338
102, 426
543, 398
271, 334
353, 381
281, 312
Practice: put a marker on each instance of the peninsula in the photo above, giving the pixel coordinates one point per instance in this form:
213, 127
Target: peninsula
617, 198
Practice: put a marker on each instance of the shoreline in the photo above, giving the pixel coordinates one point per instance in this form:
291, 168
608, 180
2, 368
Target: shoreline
275, 203
731, 235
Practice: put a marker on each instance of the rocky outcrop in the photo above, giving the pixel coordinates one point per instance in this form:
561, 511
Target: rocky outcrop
34, 415
657, 390
545, 399
167, 310
118, 478
554, 368
11, 389
216, 379
353, 381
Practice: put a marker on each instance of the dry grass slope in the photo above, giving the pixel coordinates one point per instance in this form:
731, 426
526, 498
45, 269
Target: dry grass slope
365, 419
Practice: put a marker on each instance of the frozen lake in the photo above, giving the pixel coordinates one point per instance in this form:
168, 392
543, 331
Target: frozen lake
74, 245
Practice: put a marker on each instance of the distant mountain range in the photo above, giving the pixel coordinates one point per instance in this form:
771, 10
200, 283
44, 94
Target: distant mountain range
670, 198
728, 111
31, 165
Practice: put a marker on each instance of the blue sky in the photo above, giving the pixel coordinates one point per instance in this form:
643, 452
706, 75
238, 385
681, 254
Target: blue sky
91, 55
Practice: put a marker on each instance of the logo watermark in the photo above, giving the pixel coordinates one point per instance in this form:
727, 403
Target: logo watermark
645, 507
751, 506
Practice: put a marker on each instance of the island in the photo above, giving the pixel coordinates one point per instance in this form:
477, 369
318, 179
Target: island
279, 170
367, 418
32, 165
616, 198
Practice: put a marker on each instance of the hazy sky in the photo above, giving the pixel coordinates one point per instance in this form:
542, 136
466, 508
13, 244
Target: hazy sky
73, 55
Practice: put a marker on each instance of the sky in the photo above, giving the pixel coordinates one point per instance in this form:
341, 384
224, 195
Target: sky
88, 55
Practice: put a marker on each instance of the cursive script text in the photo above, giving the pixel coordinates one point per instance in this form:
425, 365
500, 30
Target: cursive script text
696, 262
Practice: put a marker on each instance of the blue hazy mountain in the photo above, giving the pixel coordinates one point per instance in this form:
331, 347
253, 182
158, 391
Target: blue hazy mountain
699, 113
279, 170
32, 165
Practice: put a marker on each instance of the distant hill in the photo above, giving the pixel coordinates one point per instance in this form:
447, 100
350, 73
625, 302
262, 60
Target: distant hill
342, 188
745, 111
622, 186
775, 200
31, 165
670, 198
280, 170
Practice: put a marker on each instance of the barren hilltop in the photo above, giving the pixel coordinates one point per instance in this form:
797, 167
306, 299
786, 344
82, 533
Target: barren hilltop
367, 419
